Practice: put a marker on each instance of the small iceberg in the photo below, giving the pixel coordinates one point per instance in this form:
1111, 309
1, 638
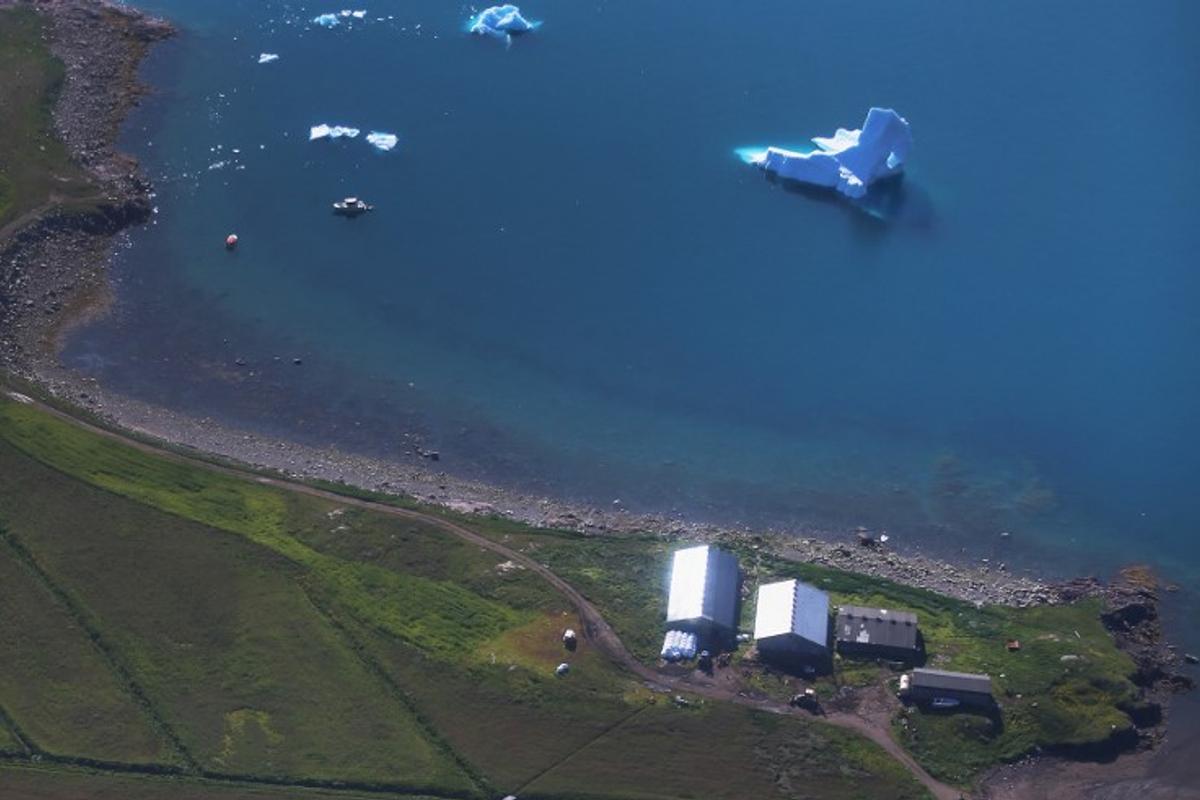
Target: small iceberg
848, 161
382, 141
267, 58
331, 132
501, 22
333, 20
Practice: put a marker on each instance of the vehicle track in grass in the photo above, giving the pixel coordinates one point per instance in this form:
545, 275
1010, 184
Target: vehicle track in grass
594, 626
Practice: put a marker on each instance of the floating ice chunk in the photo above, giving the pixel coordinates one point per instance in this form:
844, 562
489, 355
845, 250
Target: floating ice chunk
327, 20
848, 161
267, 58
331, 132
500, 22
383, 141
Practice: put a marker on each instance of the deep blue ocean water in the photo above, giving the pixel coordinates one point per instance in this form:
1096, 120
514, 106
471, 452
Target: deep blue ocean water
571, 285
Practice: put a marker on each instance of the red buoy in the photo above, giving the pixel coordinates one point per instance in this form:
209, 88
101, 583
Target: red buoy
231, 241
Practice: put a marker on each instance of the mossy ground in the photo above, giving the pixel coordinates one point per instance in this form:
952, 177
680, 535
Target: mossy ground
59, 684
34, 165
42, 782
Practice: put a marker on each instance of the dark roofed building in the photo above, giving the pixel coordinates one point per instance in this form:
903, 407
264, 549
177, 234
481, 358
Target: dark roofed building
876, 632
932, 685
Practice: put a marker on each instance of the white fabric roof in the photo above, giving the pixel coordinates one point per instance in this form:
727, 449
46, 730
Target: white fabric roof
773, 617
792, 608
689, 573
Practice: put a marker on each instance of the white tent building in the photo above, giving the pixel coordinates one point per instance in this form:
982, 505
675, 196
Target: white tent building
704, 591
791, 619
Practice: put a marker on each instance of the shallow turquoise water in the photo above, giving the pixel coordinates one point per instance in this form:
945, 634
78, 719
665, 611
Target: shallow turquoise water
571, 284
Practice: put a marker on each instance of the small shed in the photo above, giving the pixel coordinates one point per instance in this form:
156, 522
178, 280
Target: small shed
878, 632
930, 685
791, 619
703, 592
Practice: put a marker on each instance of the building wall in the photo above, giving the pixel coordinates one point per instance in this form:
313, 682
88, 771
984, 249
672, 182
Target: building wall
922, 694
790, 645
878, 651
721, 591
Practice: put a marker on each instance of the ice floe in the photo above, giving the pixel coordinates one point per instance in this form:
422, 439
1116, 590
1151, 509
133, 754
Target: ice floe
848, 161
377, 139
501, 22
332, 20
382, 141
331, 132
267, 58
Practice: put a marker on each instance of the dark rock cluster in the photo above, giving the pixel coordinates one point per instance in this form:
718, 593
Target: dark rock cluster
1131, 614
1131, 603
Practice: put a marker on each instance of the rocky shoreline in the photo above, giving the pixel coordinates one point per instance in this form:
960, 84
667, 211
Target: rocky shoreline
53, 270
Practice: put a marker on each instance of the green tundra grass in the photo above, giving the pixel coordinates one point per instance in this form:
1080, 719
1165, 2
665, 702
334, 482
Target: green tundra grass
277, 636
56, 684
224, 642
39, 782
8, 741
34, 165
725, 752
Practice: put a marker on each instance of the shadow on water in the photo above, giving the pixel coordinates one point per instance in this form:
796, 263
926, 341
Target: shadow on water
890, 203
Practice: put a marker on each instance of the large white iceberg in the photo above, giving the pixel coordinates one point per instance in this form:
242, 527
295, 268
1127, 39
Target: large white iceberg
331, 132
848, 161
382, 141
501, 22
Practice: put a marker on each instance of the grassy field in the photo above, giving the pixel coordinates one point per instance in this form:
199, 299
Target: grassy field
8, 741
726, 753
224, 642
34, 165
28, 782
56, 685
269, 635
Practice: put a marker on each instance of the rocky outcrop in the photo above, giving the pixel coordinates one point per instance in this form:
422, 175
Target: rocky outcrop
1131, 614
54, 266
